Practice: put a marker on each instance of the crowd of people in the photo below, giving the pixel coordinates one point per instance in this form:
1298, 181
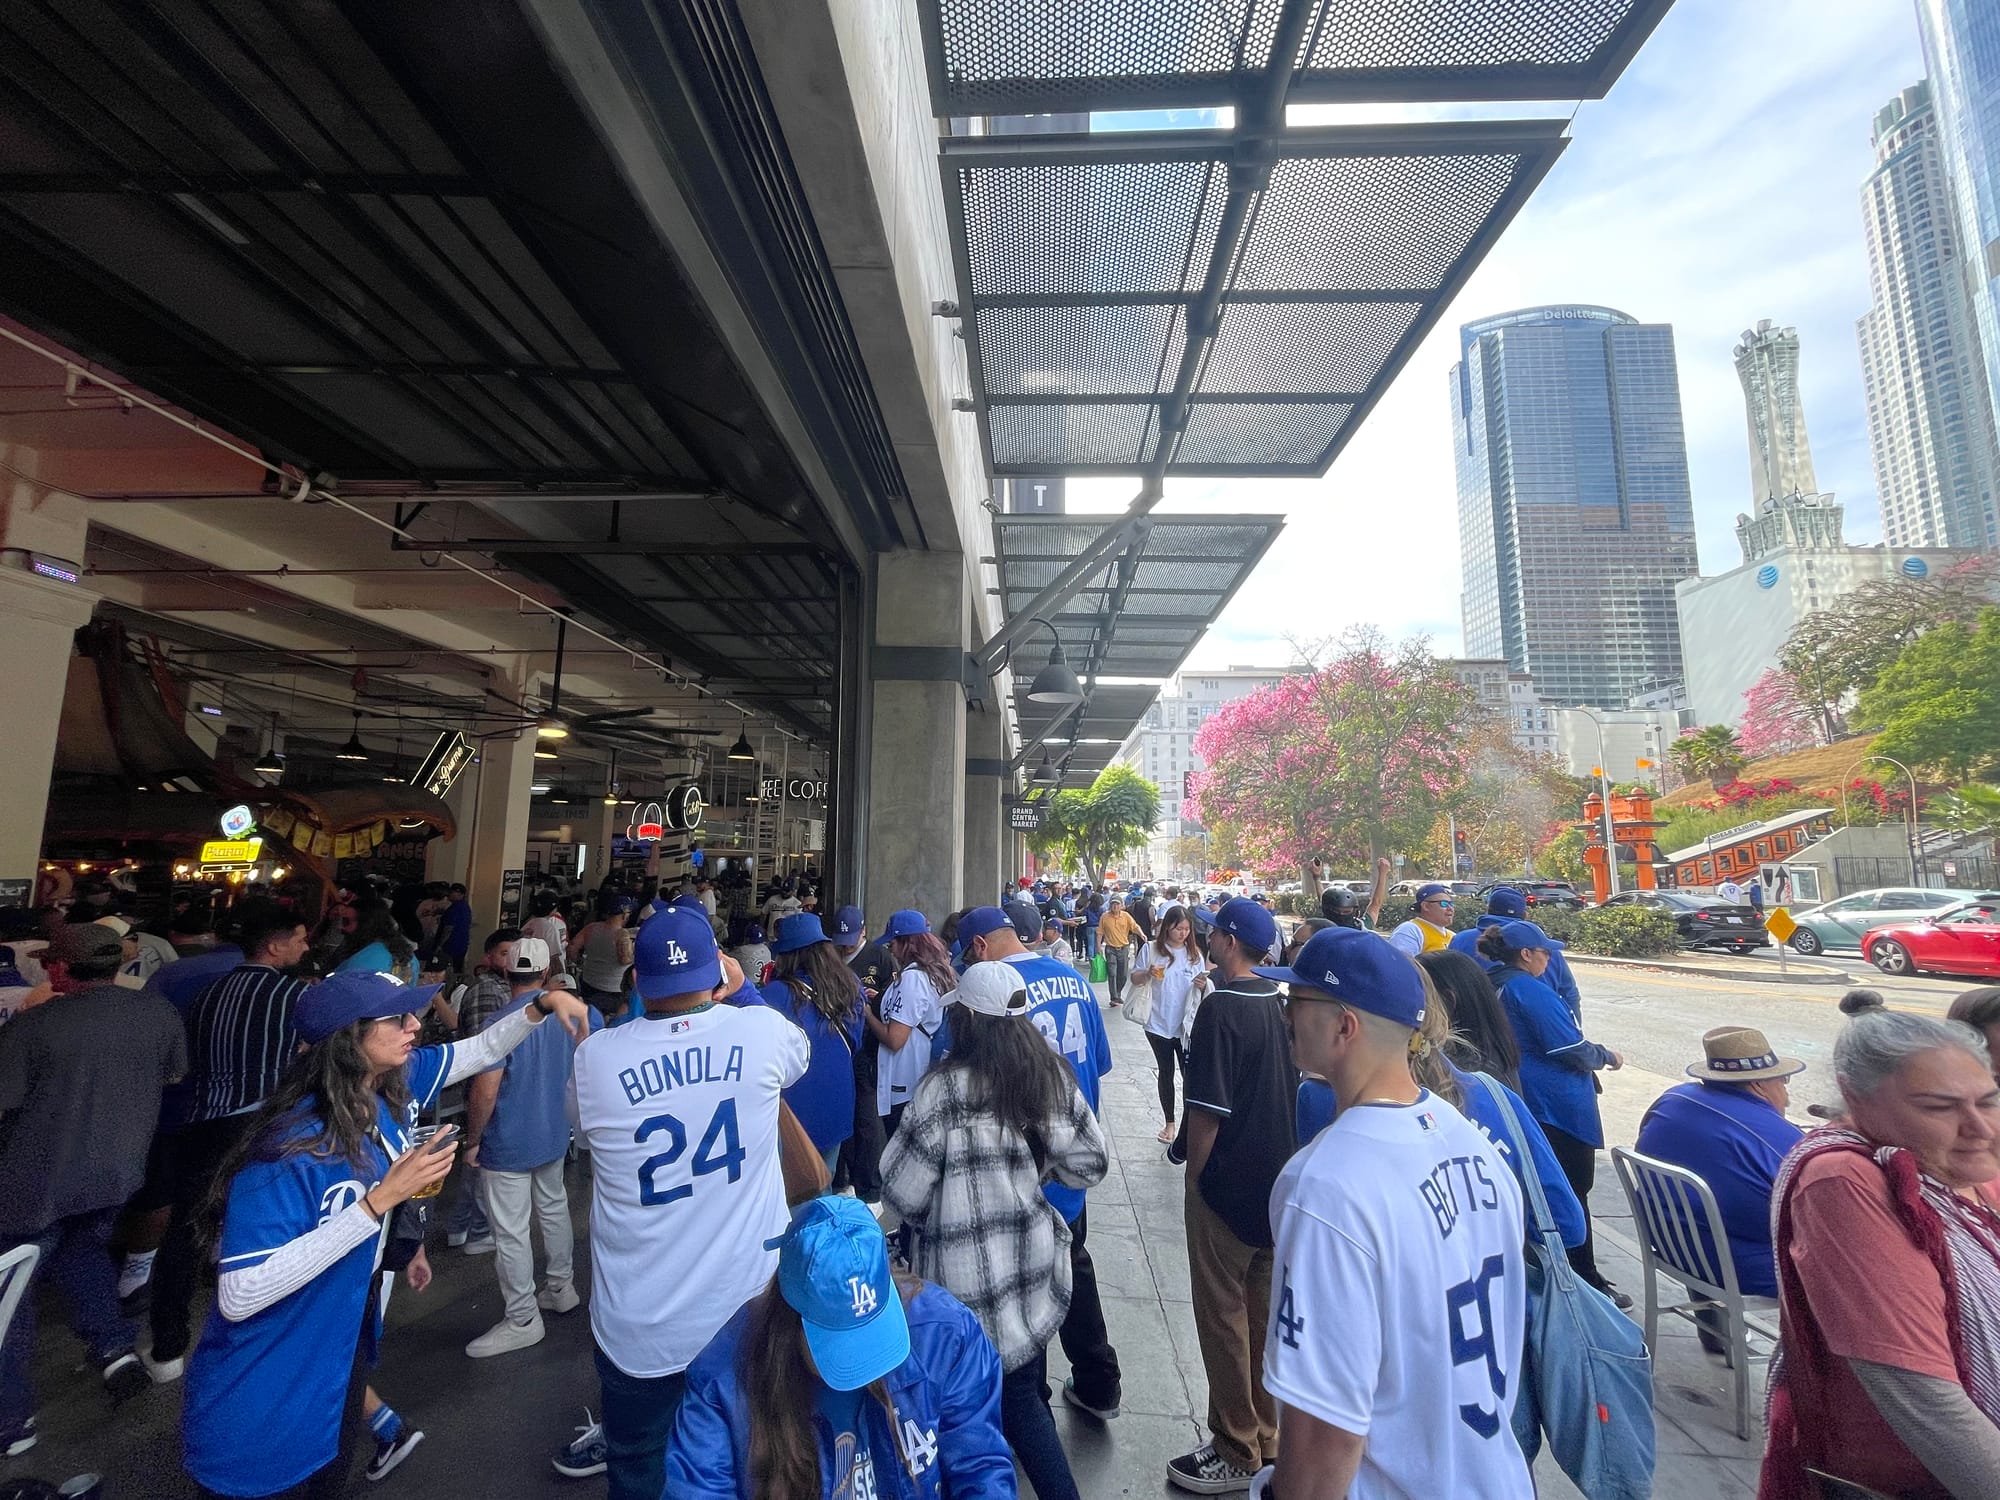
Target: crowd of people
839, 1186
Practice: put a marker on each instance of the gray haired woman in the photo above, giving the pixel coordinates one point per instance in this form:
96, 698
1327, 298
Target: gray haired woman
1887, 1233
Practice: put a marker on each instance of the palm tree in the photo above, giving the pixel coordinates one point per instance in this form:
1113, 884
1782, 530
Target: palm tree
1710, 752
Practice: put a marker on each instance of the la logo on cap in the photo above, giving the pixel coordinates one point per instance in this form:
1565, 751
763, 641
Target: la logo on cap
676, 954
864, 1296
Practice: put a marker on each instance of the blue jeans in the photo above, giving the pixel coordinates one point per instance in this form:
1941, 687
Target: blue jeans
76, 1254
638, 1419
1030, 1429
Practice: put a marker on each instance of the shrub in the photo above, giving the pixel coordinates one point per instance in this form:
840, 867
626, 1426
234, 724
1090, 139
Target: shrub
1624, 931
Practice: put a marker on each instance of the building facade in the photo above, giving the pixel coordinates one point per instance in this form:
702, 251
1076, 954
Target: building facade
1575, 516
1930, 417
1767, 362
1531, 720
1161, 749
1616, 739
1961, 41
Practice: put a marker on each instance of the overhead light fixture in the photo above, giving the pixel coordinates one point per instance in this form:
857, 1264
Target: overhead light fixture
559, 795
611, 796
550, 726
1045, 773
543, 752
353, 749
270, 763
741, 749
1055, 683
538, 788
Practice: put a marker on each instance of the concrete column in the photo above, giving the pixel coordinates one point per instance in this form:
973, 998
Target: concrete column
42, 618
449, 859
501, 800
985, 790
916, 741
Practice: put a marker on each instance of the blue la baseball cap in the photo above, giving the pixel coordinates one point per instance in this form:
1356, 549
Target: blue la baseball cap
688, 899
1243, 919
356, 995
1360, 969
1026, 917
847, 926
799, 930
1435, 888
1506, 902
905, 923
674, 954
1528, 935
833, 1270
982, 920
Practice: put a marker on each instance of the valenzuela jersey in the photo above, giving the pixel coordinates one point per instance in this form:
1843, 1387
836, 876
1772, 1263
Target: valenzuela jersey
1399, 1300
687, 1198
264, 1396
1063, 1007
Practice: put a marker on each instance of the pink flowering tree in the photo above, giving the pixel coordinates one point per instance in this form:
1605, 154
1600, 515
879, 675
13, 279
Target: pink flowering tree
1775, 717
1351, 761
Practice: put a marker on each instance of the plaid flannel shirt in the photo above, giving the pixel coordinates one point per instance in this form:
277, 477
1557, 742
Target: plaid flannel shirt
984, 1232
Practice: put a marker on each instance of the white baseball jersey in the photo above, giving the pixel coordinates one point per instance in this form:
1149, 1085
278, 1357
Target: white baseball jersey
687, 1194
913, 1000
1399, 1297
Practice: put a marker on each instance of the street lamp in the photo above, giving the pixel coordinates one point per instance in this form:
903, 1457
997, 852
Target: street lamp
1917, 871
1604, 792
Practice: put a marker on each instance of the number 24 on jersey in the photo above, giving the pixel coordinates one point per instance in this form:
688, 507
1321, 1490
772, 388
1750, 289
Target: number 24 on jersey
720, 1150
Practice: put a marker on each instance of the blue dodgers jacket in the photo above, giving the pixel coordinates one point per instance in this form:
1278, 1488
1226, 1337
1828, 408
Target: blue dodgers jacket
947, 1398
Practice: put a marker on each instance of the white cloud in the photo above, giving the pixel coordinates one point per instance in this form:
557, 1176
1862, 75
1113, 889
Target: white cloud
1718, 184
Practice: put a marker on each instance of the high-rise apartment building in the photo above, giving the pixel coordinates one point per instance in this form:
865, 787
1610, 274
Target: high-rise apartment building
1930, 418
1767, 362
1962, 55
1512, 695
1575, 517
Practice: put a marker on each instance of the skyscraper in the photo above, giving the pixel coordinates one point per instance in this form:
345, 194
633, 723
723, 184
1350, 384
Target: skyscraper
1930, 420
1575, 518
1767, 362
1962, 54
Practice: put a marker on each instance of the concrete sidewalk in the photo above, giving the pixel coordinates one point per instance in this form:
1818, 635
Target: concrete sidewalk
492, 1423
1754, 968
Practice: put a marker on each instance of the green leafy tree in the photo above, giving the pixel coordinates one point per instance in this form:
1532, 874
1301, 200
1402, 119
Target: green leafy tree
1561, 858
1973, 808
1938, 703
1093, 827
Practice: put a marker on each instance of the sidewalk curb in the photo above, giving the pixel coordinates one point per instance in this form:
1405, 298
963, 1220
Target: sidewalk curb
1795, 974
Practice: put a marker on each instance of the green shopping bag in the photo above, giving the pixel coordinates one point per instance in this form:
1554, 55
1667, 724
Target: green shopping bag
1099, 974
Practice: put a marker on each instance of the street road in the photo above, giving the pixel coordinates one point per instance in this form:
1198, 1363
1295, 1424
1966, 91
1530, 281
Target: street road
1656, 1018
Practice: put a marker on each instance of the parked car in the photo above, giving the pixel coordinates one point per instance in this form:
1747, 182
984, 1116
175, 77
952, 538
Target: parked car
1703, 921
1844, 922
1408, 887
1558, 893
1961, 940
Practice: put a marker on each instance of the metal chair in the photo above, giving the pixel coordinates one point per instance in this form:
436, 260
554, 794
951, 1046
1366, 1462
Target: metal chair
1681, 1233
17, 1268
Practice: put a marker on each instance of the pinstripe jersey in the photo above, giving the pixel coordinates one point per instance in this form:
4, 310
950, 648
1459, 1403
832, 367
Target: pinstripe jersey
240, 1038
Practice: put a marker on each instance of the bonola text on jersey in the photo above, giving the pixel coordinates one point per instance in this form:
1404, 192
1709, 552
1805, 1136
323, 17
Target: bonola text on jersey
677, 1069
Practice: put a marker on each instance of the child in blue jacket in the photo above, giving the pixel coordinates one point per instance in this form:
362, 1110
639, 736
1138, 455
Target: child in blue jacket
842, 1379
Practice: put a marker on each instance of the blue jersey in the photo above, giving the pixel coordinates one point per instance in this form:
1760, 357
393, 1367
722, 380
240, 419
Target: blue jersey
264, 1396
1063, 1008
823, 1100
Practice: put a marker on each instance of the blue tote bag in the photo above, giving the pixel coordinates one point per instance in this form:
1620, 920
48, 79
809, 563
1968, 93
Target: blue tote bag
1586, 1380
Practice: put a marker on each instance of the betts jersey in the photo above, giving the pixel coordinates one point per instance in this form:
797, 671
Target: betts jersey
1399, 1298
687, 1198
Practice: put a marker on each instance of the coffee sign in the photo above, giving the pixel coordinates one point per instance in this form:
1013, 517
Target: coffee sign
791, 789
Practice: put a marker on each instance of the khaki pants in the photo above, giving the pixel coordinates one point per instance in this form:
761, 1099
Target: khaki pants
1232, 1304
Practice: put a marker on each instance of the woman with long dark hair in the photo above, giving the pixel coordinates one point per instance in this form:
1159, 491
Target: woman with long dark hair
298, 1216
1481, 1039
838, 1375
822, 996
998, 1118
1557, 1061
377, 945
1173, 965
912, 1010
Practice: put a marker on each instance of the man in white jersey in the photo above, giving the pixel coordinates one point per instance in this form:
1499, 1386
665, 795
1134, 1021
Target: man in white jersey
679, 1110
1394, 1346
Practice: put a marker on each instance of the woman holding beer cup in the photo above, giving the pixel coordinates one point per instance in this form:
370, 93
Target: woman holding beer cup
298, 1215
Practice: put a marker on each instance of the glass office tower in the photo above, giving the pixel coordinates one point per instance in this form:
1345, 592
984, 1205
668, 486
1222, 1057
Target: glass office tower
1962, 54
1575, 517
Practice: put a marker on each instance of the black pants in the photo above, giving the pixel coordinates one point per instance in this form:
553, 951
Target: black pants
1166, 1053
1030, 1429
861, 1156
1578, 1160
197, 1151
1085, 1341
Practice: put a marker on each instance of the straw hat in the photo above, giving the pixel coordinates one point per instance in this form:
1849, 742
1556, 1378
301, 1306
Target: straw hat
1741, 1054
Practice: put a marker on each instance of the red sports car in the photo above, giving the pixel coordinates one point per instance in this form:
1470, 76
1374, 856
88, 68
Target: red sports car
1961, 940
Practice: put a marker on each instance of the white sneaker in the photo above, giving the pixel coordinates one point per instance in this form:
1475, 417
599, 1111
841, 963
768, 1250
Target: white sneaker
163, 1371
505, 1336
558, 1299
483, 1245
457, 1238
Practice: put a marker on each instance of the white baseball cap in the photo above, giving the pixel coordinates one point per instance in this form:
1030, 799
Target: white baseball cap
531, 956
993, 989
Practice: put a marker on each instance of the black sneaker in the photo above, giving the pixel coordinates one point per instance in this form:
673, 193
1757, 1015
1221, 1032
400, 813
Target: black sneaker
1102, 1413
125, 1377
584, 1454
391, 1451
1207, 1472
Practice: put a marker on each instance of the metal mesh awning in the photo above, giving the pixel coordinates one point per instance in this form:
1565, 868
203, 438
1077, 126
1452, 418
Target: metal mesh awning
1080, 256
1139, 616
1017, 57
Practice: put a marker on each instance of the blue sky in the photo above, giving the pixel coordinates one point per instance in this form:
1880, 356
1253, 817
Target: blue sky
1718, 184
